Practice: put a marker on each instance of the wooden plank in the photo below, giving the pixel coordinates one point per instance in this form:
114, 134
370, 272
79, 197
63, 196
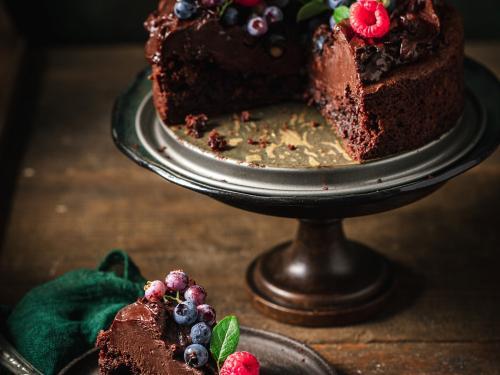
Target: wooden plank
414, 358
488, 52
77, 197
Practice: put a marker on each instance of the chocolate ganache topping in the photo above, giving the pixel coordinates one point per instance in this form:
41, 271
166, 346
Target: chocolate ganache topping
414, 33
206, 38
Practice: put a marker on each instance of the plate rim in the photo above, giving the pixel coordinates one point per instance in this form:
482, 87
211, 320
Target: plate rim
276, 337
475, 76
472, 158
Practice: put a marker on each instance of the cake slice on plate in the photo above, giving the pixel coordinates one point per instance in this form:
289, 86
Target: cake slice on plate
172, 331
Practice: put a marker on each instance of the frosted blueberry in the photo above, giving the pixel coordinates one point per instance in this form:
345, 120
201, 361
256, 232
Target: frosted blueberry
185, 313
196, 355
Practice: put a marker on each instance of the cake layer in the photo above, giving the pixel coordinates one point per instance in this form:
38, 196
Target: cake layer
410, 106
202, 66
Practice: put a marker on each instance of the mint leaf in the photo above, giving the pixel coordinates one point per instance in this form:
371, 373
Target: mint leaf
225, 338
341, 13
311, 9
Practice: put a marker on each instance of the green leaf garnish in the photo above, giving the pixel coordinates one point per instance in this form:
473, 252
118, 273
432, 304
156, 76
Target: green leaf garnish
225, 338
311, 9
341, 13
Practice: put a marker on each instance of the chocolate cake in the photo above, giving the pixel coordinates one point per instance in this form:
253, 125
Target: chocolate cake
144, 339
387, 80
172, 331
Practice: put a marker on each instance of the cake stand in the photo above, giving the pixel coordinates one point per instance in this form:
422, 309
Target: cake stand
286, 162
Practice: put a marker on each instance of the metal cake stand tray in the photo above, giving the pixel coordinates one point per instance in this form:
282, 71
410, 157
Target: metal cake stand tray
301, 171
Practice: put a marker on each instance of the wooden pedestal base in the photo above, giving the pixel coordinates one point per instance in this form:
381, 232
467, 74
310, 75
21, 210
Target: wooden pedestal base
320, 278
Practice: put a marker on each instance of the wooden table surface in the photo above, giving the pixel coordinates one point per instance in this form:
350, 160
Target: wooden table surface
77, 197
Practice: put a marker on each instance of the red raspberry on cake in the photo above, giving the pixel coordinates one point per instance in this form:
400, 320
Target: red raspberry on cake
369, 18
240, 363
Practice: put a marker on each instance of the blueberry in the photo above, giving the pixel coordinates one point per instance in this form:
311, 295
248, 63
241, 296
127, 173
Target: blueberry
195, 294
177, 281
206, 313
273, 14
200, 333
332, 22
335, 3
184, 9
231, 16
185, 313
257, 26
196, 355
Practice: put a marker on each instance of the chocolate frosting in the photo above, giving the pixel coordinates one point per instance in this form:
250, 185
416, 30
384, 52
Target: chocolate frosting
230, 47
414, 34
146, 335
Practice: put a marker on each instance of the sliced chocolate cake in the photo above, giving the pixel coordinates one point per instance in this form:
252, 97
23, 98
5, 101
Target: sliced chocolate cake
172, 331
387, 75
144, 339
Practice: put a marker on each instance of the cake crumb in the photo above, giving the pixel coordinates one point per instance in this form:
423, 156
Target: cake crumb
161, 149
262, 142
196, 125
245, 116
252, 141
216, 141
292, 147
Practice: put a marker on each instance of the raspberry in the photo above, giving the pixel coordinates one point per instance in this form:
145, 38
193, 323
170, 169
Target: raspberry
240, 363
369, 18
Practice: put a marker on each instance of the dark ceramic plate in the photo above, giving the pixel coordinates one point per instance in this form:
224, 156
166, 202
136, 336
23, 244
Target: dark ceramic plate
277, 354
317, 180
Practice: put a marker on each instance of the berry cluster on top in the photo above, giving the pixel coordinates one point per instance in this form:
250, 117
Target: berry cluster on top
231, 12
192, 311
368, 18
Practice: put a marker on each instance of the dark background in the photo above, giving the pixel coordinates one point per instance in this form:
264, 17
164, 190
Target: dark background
105, 21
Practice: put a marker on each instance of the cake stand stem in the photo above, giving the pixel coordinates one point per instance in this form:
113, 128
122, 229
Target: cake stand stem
320, 278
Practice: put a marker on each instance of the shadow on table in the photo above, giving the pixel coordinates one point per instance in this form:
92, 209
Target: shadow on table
459, 255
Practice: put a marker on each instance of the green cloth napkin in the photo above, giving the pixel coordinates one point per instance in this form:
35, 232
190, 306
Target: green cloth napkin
60, 320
